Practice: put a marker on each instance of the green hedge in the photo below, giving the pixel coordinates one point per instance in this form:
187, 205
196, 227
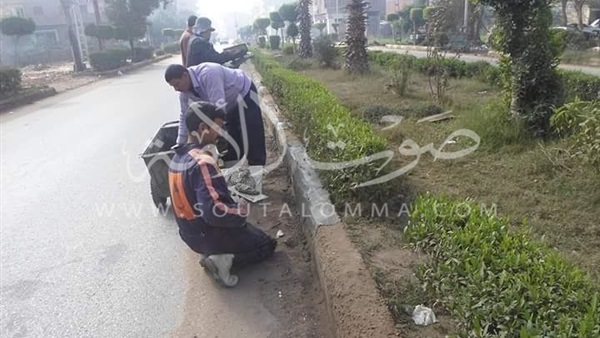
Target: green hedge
143, 53
109, 59
578, 84
172, 48
312, 109
10, 80
575, 84
498, 282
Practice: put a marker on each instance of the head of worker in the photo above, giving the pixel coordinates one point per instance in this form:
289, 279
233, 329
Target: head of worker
204, 122
203, 28
178, 77
191, 21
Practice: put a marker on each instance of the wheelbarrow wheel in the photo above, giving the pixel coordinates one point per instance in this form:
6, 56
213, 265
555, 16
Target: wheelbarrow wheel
159, 201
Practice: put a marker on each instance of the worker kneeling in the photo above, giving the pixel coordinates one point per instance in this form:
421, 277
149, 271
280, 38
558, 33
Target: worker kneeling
210, 221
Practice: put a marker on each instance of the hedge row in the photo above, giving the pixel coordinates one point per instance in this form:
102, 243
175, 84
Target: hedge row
575, 84
10, 80
334, 135
111, 59
498, 282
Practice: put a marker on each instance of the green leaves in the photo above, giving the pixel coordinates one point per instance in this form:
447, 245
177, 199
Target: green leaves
498, 282
317, 115
580, 120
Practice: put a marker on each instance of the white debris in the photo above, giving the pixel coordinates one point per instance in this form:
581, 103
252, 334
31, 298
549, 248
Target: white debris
423, 316
279, 234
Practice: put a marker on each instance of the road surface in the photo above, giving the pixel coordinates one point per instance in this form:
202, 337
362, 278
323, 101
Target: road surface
83, 251
492, 60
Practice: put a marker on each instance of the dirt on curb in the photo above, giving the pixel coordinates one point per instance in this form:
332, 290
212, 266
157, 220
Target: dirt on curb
58, 75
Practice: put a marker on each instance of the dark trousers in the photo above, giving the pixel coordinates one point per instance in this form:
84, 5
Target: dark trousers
257, 152
248, 244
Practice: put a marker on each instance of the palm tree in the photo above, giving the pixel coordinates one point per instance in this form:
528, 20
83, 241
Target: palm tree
305, 48
357, 61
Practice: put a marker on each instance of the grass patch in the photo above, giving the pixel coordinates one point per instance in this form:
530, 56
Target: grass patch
498, 282
518, 177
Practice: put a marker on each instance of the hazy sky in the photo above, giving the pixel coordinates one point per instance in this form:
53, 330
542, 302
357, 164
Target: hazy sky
220, 10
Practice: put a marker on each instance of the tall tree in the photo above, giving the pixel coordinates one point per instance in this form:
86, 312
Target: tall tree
523, 34
289, 14
130, 18
277, 24
563, 7
357, 61
17, 27
261, 25
305, 48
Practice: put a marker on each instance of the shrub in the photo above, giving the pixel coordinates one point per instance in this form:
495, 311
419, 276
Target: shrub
172, 48
288, 50
109, 59
401, 71
574, 84
334, 135
374, 113
494, 125
160, 52
142, 54
580, 120
326, 52
262, 42
577, 84
497, 282
299, 64
576, 40
274, 41
10, 80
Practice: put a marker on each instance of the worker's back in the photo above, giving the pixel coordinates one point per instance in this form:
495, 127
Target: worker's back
200, 51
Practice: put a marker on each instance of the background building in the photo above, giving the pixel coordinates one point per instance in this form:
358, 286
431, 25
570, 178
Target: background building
50, 41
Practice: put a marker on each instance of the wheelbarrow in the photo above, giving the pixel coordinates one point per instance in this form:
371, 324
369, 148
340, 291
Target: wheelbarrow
158, 156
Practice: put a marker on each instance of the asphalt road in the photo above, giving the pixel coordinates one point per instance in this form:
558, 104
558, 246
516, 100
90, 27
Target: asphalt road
492, 60
84, 253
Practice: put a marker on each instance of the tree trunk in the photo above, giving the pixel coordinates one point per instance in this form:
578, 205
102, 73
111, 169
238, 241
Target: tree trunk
78, 66
97, 11
565, 19
479, 24
305, 25
132, 49
579, 9
17, 50
98, 21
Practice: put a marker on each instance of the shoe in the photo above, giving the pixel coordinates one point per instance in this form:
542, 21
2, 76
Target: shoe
219, 266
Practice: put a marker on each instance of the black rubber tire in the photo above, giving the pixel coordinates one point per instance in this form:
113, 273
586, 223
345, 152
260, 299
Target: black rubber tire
159, 201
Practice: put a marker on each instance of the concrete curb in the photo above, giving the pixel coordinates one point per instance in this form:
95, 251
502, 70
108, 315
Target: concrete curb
406, 47
353, 302
27, 98
115, 72
126, 69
